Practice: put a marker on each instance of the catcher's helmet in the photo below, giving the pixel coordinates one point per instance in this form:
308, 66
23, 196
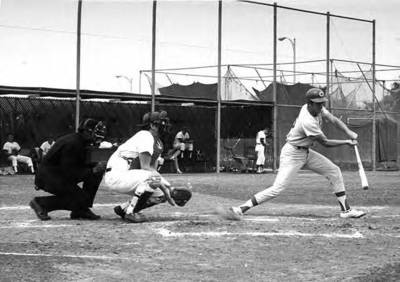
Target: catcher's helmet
160, 118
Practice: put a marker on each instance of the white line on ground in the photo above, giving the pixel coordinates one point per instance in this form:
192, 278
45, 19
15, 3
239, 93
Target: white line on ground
27, 225
64, 256
167, 233
260, 219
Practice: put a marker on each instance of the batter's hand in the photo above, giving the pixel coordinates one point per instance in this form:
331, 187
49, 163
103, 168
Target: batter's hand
352, 142
352, 135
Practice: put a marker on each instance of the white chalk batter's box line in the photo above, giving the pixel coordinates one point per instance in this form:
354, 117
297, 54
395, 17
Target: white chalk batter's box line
167, 233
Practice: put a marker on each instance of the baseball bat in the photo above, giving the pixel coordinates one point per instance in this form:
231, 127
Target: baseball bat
364, 181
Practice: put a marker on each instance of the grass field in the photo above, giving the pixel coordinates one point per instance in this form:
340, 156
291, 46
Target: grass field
296, 237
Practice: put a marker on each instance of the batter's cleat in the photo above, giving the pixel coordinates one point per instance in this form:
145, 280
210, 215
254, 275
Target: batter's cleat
40, 212
351, 213
233, 213
84, 214
135, 217
119, 211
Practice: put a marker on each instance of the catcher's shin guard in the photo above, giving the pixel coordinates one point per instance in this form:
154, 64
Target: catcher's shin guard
146, 201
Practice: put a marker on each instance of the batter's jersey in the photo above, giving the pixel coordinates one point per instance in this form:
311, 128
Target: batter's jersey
260, 135
127, 155
306, 126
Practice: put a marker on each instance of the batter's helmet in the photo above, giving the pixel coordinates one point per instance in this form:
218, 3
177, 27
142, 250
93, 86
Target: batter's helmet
316, 95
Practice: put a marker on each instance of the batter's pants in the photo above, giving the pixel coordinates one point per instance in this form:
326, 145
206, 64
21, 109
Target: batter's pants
68, 195
292, 160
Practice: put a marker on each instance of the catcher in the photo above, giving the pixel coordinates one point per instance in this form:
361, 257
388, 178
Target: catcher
132, 170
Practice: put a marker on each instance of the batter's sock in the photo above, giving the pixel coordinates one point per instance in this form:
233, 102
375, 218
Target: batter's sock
249, 204
341, 196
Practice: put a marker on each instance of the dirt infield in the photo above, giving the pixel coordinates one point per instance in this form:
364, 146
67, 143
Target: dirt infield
296, 237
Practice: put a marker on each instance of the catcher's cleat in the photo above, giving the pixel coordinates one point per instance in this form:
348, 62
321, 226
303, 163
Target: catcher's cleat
135, 217
40, 212
351, 213
84, 214
119, 211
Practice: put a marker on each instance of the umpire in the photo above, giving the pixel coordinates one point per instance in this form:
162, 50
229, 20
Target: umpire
63, 167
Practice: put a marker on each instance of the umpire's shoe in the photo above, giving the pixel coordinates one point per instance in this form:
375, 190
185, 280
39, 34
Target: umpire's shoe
84, 214
40, 212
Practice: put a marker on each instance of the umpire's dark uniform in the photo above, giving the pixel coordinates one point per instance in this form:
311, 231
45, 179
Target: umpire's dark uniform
63, 167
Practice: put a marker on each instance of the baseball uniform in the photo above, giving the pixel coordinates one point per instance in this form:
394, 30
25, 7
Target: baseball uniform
260, 149
12, 148
296, 153
124, 174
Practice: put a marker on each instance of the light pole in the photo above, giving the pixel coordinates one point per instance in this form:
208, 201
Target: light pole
129, 79
293, 42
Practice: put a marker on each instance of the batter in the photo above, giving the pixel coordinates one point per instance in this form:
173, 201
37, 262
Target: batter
296, 153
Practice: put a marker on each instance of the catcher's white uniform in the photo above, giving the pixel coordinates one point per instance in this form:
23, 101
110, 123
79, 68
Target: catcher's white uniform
124, 174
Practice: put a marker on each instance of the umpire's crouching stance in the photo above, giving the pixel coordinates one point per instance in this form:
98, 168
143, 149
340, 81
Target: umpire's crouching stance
63, 167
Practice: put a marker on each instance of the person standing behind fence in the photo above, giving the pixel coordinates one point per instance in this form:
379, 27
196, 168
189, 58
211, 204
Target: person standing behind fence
261, 144
11, 149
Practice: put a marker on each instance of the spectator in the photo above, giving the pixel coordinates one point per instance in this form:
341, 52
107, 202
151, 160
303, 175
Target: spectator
46, 145
183, 142
11, 148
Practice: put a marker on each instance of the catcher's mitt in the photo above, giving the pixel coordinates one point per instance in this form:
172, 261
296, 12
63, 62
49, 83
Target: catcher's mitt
181, 195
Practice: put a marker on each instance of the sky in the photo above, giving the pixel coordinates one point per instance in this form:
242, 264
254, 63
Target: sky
38, 40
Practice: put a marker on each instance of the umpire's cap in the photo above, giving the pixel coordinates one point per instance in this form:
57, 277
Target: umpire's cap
316, 95
97, 127
87, 124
